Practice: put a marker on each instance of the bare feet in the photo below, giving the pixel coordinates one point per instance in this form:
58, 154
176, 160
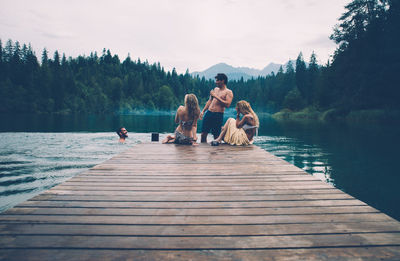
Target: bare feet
168, 139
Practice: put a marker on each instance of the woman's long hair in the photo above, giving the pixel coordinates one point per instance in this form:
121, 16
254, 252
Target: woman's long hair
192, 106
245, 108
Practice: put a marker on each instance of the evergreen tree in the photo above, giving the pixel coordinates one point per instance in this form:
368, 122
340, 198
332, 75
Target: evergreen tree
362, 75
312, 77
361, 59
354, 22
45, 57
301, 78
2, 62
293, 100
8, 51
1, 52
166, 98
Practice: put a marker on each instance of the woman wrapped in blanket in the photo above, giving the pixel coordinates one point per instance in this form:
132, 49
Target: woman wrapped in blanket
239, 131
186, 116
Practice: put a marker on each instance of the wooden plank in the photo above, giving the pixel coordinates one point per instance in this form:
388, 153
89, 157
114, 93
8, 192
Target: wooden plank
199, 230
320, 254
197, 183
168, 202
129, 191
197, 220
192, 205
205, 166
146, 178
215, 187
201, 242
65, 195
162, 174
191, 212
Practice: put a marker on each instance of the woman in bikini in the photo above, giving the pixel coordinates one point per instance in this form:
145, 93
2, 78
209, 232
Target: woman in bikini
186, 116
239, 131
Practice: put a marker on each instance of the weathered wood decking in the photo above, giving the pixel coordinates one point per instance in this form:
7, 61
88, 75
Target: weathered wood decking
168, 202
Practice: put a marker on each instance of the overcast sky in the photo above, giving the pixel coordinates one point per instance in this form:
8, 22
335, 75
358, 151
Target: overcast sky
185, 34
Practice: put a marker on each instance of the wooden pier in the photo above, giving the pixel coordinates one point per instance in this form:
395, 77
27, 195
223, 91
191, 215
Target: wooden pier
171, 202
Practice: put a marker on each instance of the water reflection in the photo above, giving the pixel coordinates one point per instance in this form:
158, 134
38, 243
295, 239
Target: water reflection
86, 123
309, 158
358, 159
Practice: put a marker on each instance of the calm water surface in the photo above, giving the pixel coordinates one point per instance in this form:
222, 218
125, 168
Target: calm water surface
39, 151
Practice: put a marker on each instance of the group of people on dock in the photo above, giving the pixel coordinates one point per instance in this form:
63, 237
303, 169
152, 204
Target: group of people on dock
239, 131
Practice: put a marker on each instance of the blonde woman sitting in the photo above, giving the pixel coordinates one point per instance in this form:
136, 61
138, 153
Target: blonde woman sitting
186, 116
239, 131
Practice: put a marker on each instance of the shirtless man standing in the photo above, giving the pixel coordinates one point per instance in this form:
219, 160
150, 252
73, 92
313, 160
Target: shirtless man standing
220, 98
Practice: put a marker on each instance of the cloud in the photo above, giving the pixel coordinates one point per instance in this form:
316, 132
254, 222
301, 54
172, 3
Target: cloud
320, 41
39, 15
180, 33
58, 35
7, 25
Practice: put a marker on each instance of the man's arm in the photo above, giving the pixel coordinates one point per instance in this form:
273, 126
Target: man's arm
228, 100
205, 107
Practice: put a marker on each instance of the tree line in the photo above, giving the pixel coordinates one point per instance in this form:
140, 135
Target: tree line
87, 84
362, 75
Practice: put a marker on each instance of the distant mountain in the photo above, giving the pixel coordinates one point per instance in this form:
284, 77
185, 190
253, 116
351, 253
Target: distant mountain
272, 67
236, 73
232, 72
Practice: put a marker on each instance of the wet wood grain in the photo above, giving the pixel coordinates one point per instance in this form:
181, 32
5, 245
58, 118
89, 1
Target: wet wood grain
170, 202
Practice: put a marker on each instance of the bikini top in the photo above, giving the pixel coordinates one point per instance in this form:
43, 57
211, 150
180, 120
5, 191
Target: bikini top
186, 124
249, 127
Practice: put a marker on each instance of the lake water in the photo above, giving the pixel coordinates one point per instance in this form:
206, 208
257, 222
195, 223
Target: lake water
39, 151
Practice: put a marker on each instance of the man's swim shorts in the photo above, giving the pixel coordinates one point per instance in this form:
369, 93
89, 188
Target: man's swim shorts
212, 123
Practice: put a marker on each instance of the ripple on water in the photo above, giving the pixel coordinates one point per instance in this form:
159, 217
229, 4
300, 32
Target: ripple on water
38, 161
310, 158
10, 192
19, 181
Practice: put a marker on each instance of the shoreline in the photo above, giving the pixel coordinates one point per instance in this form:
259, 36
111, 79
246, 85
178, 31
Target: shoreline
353, 116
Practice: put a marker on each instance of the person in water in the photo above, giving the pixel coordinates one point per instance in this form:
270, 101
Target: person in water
239, 131
220, 98
186, 117
123, 134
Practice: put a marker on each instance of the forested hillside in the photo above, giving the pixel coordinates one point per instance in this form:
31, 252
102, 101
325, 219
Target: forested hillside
362, 75
90, 84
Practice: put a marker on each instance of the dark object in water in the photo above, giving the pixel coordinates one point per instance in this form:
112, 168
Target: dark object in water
154, 137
